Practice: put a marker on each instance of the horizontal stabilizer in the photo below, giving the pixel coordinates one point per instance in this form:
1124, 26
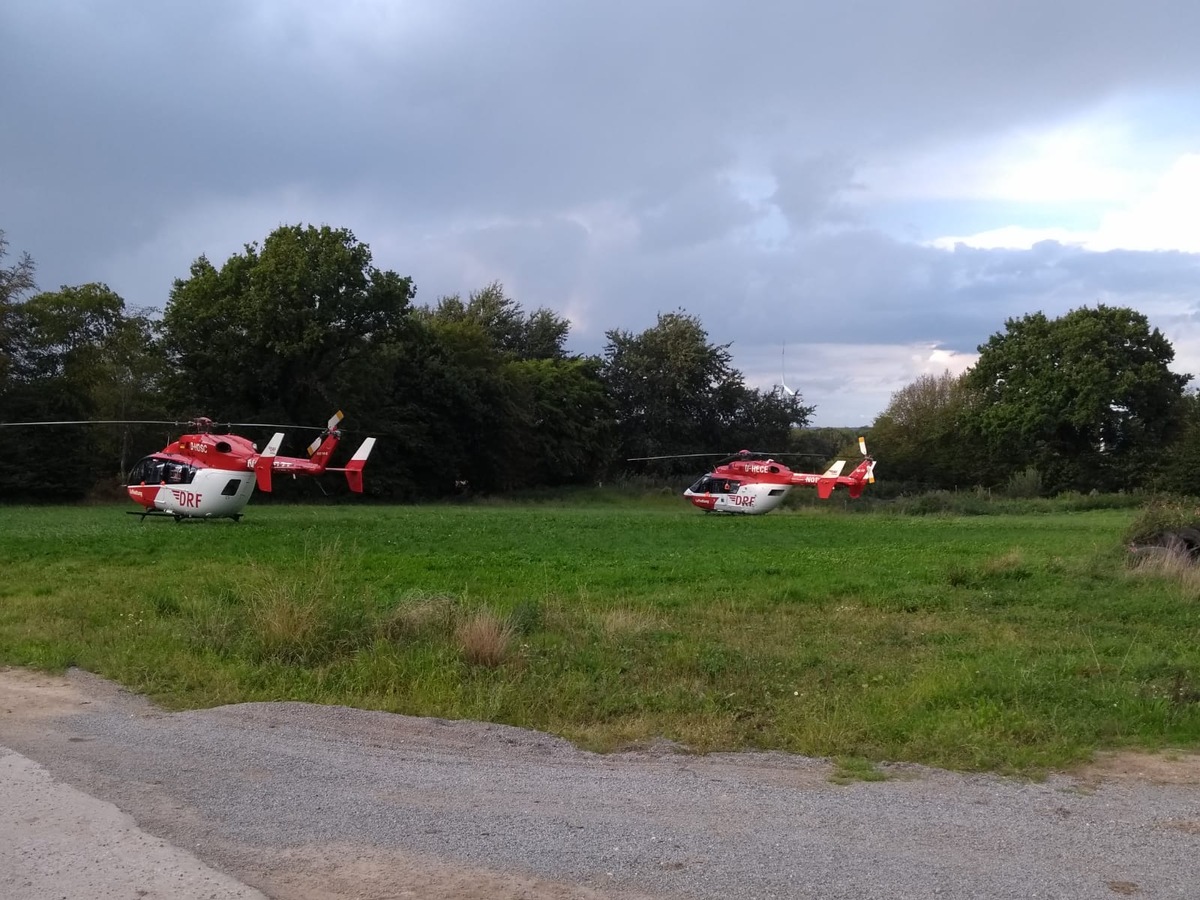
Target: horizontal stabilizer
835, 470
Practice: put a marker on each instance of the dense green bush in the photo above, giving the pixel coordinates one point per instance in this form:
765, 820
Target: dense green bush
1163, 513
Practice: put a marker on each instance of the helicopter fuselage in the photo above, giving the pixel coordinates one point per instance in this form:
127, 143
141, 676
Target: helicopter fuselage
748, 486
727, 495
207, 493
198, 476
744, 487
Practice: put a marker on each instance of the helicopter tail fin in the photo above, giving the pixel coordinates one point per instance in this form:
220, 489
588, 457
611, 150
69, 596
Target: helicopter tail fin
829, 480
322, 448
262, 465
354, 468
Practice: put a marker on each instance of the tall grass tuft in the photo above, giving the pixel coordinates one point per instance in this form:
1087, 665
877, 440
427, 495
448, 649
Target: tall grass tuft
484, 638
303, 615
286, 624
420, 615
1172, 561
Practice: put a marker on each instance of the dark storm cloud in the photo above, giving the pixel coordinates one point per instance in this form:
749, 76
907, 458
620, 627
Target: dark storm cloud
610, 160
864, 287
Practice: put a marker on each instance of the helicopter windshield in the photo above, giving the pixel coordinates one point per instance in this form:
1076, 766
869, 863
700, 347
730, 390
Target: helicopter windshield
153, 470
710, 484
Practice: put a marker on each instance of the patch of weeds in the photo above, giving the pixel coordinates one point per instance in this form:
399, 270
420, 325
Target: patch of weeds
287, 625
849, 769
526, 617
304, 616
420, 615
213, 628
1177, 687
624, 621
227, 595
166, 605
714, 660
962, 576
1010, 566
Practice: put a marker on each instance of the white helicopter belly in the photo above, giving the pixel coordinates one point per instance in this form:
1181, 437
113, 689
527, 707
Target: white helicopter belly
213, 493
746, 500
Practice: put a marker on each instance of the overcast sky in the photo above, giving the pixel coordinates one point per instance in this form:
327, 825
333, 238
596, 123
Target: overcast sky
852, 192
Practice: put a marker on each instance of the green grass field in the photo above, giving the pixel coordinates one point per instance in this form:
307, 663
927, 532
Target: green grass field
1013, 643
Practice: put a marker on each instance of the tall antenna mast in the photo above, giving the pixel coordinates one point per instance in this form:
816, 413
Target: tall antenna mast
782, 371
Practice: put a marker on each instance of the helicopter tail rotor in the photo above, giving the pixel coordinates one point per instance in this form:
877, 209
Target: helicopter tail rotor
331, 430
869, 474
863, 474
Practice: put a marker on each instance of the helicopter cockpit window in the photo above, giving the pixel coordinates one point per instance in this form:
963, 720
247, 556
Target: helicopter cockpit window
152, 470
712, 485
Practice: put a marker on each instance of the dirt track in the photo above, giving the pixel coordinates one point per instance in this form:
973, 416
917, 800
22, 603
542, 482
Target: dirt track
314, 802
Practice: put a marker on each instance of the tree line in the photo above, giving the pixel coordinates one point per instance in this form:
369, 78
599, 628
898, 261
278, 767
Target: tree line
478, 392
474, 392
1085, 402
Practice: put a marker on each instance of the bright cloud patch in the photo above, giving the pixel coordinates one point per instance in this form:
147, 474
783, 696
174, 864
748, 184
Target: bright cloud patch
850, 384
1162, 218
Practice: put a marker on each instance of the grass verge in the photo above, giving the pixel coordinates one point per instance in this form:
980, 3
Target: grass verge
1010, 643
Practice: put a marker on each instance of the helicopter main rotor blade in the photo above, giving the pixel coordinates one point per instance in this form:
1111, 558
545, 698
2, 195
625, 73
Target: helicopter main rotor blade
95, 422
778, 453
268, 425
668, 456
179, 423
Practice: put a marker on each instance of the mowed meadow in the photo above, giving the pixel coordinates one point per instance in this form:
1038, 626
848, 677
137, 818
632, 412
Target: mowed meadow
1017, 642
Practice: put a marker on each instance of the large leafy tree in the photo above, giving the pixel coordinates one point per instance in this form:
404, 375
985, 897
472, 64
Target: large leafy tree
1178, 463
16, 280
480, 408
924, 435
80, 356
564, 427
1087, 399
277, 330
674, 391
541, 334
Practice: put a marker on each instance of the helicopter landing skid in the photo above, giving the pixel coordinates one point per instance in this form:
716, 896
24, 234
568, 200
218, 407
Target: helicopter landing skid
159, 514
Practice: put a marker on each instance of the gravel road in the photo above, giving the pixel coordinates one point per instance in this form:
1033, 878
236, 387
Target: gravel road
305, 802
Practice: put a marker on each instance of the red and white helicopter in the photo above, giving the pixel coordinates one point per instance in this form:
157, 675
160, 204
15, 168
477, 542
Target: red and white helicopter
750, 485
211, 474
